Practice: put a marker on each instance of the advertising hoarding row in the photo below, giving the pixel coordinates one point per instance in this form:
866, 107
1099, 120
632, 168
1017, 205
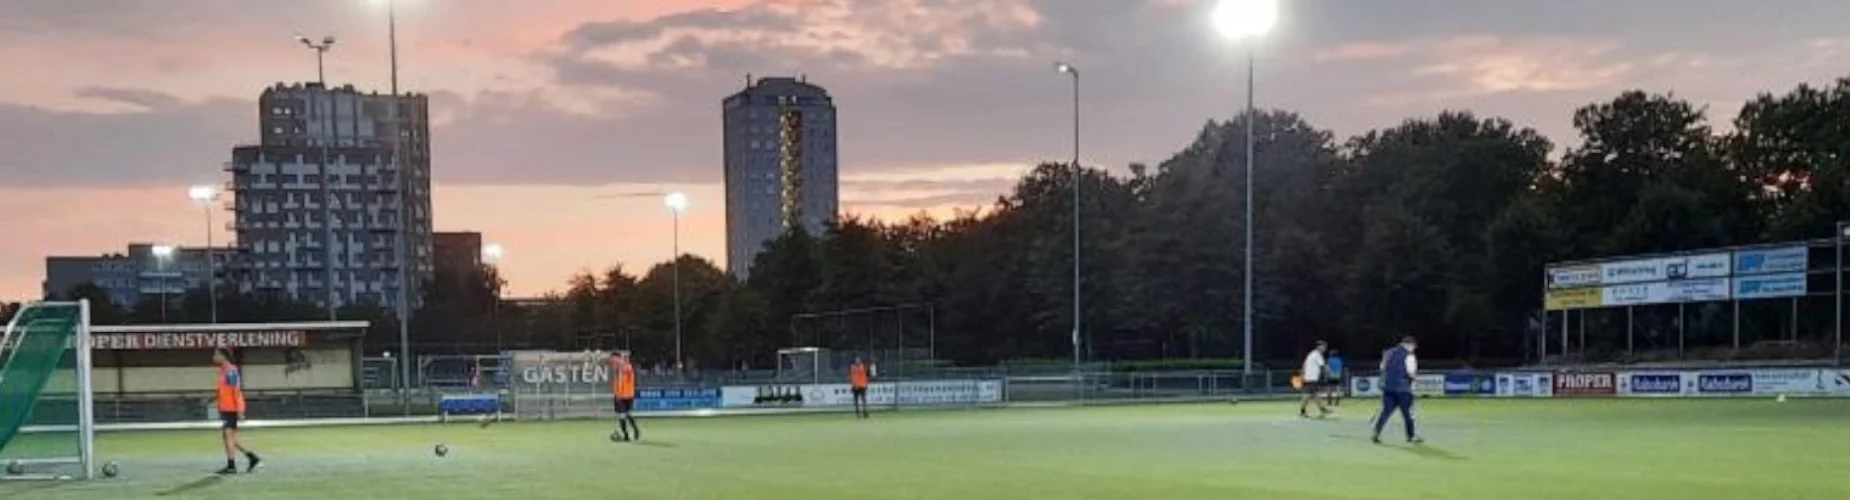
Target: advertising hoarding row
1715, 265
1756, 274
1666, 292
910, 393
1644, 384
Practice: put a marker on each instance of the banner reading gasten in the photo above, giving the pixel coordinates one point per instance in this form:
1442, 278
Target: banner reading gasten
180, 340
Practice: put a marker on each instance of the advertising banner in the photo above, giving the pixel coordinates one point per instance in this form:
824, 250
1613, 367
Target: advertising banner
1769, 286
203, 341
1698, 290
693, 398
1776, 260
1573, 277
1636, 271
1632, 295
550, 372
1651, 384
1715, 265
1788, 381
1429, 385
1577, 298
1837, 382
1585, 384
1365, 386
1523, 385
1470, 384
1724, 383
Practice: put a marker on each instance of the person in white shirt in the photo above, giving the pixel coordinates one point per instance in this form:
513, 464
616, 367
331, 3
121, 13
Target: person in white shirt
1314, 371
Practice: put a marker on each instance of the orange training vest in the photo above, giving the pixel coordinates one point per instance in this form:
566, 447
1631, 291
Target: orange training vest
230, 389
857, 376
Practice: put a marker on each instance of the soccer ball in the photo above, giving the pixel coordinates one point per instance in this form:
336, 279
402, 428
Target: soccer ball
443, 450
14, 467
110, 470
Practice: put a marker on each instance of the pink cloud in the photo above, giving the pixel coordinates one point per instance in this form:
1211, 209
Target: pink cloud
1358, 51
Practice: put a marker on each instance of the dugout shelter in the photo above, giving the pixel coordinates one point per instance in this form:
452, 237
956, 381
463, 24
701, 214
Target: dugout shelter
164, 372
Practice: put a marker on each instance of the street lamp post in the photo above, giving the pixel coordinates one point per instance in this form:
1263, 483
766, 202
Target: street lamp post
1077, 175
676, 203
404, 208
1246, 20
327, 222
491, 255
162, 255
205, 196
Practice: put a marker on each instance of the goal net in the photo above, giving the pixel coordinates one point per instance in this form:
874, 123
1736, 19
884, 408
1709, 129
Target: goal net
805, 365
900, 340
46, 425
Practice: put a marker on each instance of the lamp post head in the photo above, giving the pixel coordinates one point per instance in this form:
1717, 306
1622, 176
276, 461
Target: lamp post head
1065, 68
493, 252
327, 40
201, 193
1236, 19
675, 201
162, 251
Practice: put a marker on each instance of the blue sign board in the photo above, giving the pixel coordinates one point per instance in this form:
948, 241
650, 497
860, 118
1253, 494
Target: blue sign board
692, 398
1725, 383
1775, 260
1469, 383
1769, 286
1657, 383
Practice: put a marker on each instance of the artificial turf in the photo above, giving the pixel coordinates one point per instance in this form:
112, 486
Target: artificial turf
1476, 449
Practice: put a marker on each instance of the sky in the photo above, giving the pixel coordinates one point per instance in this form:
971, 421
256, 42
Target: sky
555, 119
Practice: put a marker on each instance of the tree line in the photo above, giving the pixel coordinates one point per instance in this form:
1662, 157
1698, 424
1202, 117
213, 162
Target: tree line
1437, 227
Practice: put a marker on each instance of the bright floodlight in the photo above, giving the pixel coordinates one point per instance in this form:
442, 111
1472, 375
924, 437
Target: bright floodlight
163, 251
493, 253
676, 201
1245, 18
201, 194
1065, 68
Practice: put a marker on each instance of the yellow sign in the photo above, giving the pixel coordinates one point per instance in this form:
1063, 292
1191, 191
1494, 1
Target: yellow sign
1576, 298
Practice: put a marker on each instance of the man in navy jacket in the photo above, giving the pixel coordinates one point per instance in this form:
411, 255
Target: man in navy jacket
1398, 371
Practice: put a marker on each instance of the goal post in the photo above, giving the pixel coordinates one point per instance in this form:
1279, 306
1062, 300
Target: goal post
47, 399
899, 339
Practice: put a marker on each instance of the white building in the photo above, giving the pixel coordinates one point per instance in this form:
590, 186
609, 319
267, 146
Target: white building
781, 164
319, 204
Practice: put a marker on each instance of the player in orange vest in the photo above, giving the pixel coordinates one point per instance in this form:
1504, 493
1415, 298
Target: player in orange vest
857, 384
231, 410
623, 390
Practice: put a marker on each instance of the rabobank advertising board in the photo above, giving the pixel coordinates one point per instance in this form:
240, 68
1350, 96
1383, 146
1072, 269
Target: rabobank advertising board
1724, 383
1652, 384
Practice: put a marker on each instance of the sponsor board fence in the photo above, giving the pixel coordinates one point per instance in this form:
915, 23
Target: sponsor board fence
1761, 382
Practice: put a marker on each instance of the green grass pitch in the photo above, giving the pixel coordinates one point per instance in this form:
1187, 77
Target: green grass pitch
1477, 449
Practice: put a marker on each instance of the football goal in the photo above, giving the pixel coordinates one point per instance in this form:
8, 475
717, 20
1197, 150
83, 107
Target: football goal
47, 429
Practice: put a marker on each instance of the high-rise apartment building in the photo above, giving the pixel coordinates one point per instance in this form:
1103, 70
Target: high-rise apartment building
781, 164
320, 202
